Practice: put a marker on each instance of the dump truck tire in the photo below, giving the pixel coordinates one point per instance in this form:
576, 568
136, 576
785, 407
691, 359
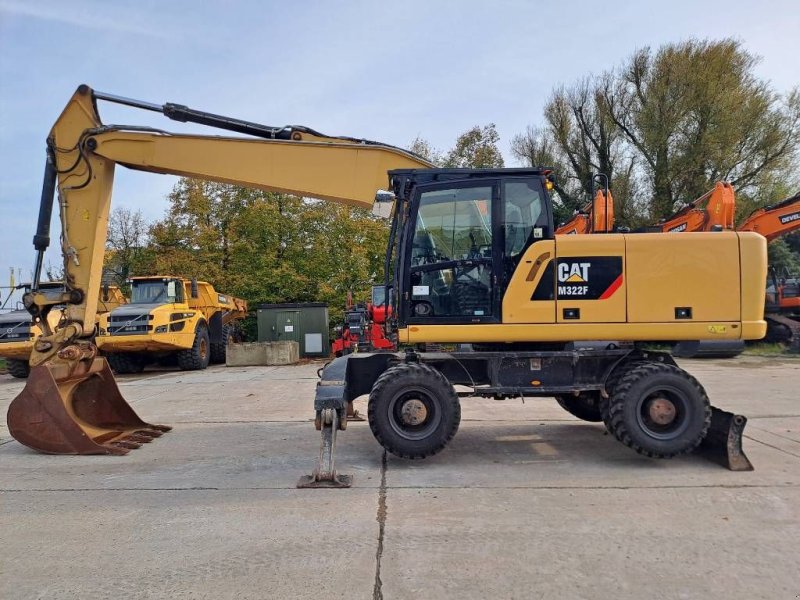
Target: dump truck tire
18, 368
413, 410
585, 406
659, 410
197, 357
218, 350
125, 363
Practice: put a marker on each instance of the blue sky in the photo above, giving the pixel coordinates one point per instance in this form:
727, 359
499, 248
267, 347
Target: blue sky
383, 70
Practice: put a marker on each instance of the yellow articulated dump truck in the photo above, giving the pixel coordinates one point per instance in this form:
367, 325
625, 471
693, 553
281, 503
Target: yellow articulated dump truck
170, 320
18, 331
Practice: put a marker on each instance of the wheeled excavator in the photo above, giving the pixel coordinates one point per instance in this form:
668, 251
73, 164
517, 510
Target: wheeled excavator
472, 258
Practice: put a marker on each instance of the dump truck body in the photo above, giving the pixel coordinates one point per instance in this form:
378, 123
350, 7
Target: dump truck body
165, 317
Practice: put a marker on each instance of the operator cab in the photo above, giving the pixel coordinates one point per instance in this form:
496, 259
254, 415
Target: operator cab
464, 232
157, 291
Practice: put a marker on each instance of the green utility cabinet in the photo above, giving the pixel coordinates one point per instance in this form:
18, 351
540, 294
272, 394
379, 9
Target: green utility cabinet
305, 323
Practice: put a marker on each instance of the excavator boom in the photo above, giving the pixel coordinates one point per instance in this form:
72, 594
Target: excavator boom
713, 210
775, 221
595, 217
71, 403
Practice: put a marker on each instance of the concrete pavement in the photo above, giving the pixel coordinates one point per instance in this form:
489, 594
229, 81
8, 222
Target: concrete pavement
527, 502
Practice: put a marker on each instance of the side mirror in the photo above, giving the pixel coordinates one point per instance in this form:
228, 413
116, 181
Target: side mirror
195, 292
105, 292
384, 202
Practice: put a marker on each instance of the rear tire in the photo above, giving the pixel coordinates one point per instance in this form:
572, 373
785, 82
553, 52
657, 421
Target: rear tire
658, 410
125, 363
197, 357
18, 368
219, 349
413, 410
585, 406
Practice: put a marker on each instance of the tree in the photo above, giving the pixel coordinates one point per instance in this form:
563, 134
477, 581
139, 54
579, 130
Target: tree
696, 113
423, 148
476, 148
666, 126
270, 247
127, 247
194, 240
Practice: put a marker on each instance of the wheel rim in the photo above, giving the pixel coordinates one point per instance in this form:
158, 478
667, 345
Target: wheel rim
203, 348
414, 414
662, 413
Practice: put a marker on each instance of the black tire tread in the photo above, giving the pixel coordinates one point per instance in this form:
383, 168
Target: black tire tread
190, 359
412, 370
18, 368
612, 409
218, 350
124, 363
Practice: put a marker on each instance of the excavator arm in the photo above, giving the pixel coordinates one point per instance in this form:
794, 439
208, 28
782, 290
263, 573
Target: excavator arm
713, 210
69, 382
595, 217
775, 221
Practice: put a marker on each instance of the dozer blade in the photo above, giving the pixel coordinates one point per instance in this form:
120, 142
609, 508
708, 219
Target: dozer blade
723, 442
77, 411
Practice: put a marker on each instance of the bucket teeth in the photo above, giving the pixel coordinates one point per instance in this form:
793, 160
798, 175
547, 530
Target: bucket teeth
77, 412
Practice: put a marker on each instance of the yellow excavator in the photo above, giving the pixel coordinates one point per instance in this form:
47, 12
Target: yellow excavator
472, 258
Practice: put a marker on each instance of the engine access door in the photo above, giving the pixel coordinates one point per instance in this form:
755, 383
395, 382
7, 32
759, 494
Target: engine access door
590, 279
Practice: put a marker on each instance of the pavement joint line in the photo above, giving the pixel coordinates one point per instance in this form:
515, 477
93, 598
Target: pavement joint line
773, 447
377, 590
419, 487
783, 437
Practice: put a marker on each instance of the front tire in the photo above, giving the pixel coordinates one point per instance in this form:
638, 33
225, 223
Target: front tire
125, 363
658, 410
198, 356
18, 368
413, 410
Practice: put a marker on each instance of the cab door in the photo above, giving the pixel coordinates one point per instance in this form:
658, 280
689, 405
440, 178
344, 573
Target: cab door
451, 261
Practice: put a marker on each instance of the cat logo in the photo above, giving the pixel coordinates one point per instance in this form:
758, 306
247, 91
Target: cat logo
573, 273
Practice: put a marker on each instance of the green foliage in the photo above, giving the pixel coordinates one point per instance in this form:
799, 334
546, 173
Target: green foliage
476, 148
666, 126
267, 247
783, 258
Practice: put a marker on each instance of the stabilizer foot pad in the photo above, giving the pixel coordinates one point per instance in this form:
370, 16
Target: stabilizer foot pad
339, 481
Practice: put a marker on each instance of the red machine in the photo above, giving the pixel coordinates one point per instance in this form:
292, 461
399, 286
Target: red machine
363, 328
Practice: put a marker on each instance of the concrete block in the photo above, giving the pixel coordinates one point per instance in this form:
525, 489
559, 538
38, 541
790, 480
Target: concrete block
282, 353
251, 354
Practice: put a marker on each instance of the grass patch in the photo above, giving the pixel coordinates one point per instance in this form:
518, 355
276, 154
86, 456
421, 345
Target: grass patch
765, 349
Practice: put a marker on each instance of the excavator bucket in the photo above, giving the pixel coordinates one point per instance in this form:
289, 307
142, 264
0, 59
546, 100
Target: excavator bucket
78, 411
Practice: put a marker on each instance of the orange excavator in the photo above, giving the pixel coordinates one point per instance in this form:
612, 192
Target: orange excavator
595, 217
776, 220
782, 310
713, 211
